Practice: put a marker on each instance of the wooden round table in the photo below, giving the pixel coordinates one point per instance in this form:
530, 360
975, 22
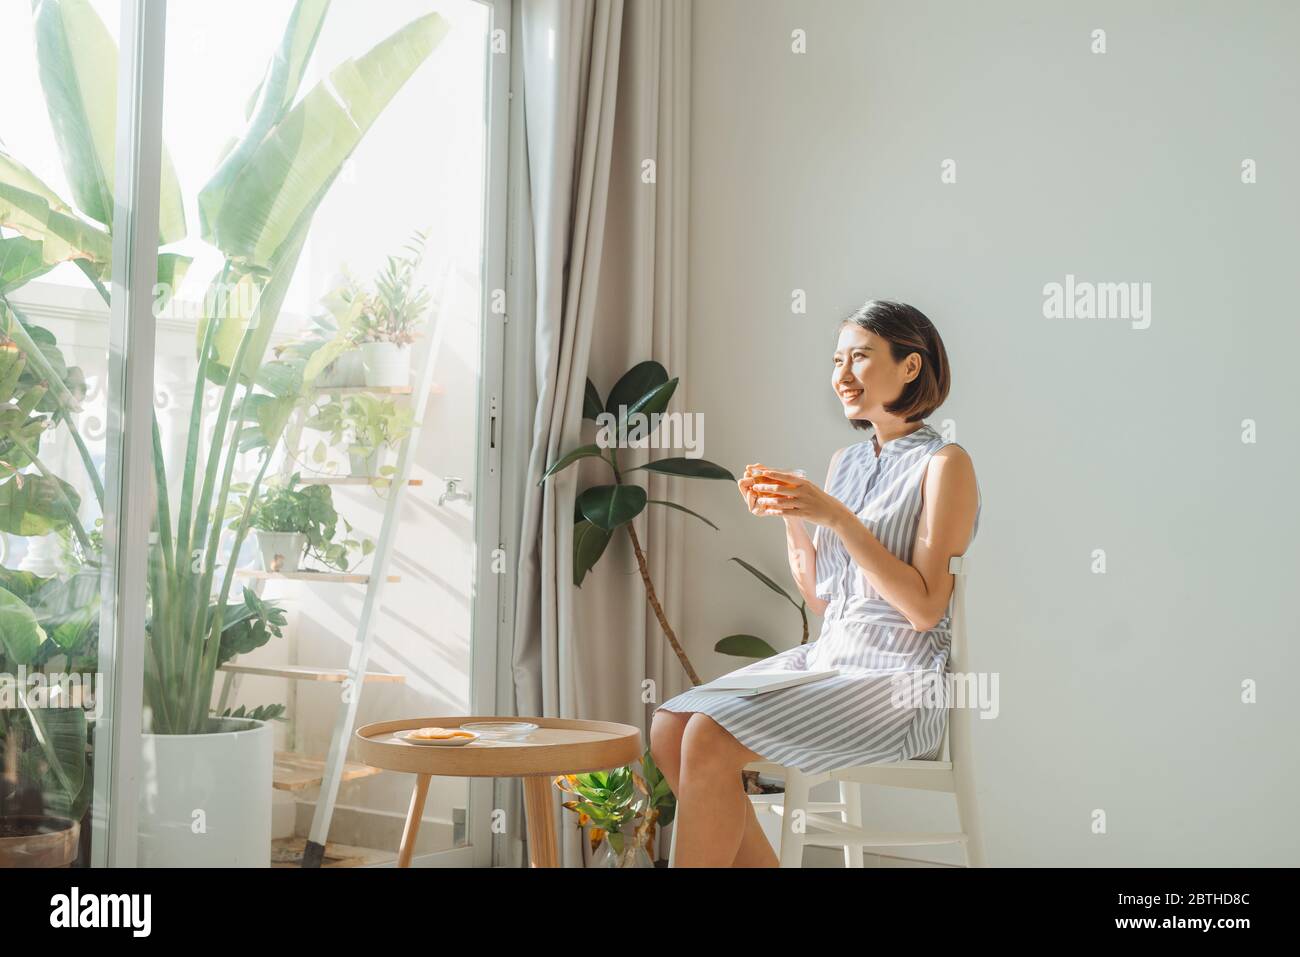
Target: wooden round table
558, 746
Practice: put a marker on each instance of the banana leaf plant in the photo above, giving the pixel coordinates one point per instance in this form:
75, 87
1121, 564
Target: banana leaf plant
751, 646
256, 209
602, 510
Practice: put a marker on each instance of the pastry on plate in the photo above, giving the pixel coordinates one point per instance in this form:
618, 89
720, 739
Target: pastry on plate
438, 734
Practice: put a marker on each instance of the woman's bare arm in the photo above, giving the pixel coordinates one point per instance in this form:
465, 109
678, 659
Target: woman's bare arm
920, 590
803, 554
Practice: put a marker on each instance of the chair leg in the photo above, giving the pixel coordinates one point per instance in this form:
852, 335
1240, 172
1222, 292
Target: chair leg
794, 808
672, 847
968, 819
851, 798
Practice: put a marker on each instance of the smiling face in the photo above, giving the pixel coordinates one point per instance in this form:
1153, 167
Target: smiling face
865, 376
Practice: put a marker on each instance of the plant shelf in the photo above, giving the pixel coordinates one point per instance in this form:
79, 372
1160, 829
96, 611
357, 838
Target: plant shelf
307, 673
342, 577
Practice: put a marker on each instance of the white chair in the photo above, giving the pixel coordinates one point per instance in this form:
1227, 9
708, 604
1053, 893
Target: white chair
839, 823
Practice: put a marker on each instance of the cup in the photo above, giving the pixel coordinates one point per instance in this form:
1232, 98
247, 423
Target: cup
773, 480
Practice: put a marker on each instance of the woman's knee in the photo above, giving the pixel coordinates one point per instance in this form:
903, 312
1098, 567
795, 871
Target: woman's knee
708, 746
666, 730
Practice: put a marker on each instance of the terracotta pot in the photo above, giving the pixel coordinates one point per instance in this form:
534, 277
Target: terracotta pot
38, 841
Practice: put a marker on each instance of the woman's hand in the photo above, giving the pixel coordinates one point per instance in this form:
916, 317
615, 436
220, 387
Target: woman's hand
751, 497
797, 498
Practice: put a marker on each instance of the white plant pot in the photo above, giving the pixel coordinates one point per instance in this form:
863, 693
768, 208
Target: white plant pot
347, 370
205, 799
281, 551
388, 365
365, 467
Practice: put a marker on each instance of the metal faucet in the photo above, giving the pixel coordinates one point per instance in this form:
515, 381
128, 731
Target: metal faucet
451, 492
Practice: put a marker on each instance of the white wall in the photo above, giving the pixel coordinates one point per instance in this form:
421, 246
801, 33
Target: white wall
1120, 691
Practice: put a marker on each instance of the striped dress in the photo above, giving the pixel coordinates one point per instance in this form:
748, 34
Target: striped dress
858, 716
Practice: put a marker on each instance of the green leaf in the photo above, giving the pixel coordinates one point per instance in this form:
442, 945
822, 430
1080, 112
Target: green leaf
36, 505
609, 506
265, 712
265, 314
765, 580
251, 215
591, 404
688, 468
60, 744
654, 401
21, 261
272, 98
172, 268
681, 508
589, 543
636, 383
271, 415
61, 234
744, 646
21, 635
78, 71
582, 452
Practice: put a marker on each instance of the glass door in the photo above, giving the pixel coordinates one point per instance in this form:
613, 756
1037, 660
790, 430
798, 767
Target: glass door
324, 372
328, 329
61, 407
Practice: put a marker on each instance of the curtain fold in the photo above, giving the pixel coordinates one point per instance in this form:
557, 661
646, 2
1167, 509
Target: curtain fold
606, 104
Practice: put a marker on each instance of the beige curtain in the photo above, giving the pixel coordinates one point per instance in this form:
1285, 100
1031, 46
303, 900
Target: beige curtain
606, 102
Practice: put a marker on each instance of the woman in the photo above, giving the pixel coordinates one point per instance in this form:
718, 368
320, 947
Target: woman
894, 510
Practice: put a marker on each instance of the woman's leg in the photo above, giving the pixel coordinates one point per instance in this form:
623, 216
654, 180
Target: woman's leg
715, 818
666, 729
755, 848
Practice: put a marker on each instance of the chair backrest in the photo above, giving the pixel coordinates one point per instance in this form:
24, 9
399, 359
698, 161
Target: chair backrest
956, 738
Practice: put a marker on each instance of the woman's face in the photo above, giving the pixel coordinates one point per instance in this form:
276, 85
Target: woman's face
865, 375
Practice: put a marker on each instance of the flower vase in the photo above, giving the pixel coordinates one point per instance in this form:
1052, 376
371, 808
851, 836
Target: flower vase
621, 849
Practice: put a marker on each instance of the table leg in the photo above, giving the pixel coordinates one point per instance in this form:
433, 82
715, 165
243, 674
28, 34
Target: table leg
412, 829
542, 848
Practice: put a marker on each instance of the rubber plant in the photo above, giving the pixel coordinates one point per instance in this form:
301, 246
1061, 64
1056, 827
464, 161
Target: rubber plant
600, 511
256, 210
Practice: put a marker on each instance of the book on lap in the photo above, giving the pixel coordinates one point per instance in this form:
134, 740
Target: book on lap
752, 683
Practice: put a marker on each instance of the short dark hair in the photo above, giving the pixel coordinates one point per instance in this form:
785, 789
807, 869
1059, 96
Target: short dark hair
907, 330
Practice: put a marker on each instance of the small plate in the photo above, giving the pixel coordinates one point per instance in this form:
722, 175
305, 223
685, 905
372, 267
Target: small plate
501, 730
435, 742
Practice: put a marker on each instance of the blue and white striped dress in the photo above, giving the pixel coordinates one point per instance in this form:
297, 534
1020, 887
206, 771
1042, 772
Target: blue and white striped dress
856, 716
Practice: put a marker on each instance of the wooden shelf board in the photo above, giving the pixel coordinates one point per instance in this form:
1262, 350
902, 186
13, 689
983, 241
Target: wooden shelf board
363, 389
297, 772
307, 673
309, 576
354, 480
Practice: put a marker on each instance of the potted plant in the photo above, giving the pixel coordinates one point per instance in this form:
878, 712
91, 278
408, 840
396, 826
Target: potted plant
389, 319
293, 521
368, 425
330, 350
256, 211
201, 795
45, 786
608, 802
600, 511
